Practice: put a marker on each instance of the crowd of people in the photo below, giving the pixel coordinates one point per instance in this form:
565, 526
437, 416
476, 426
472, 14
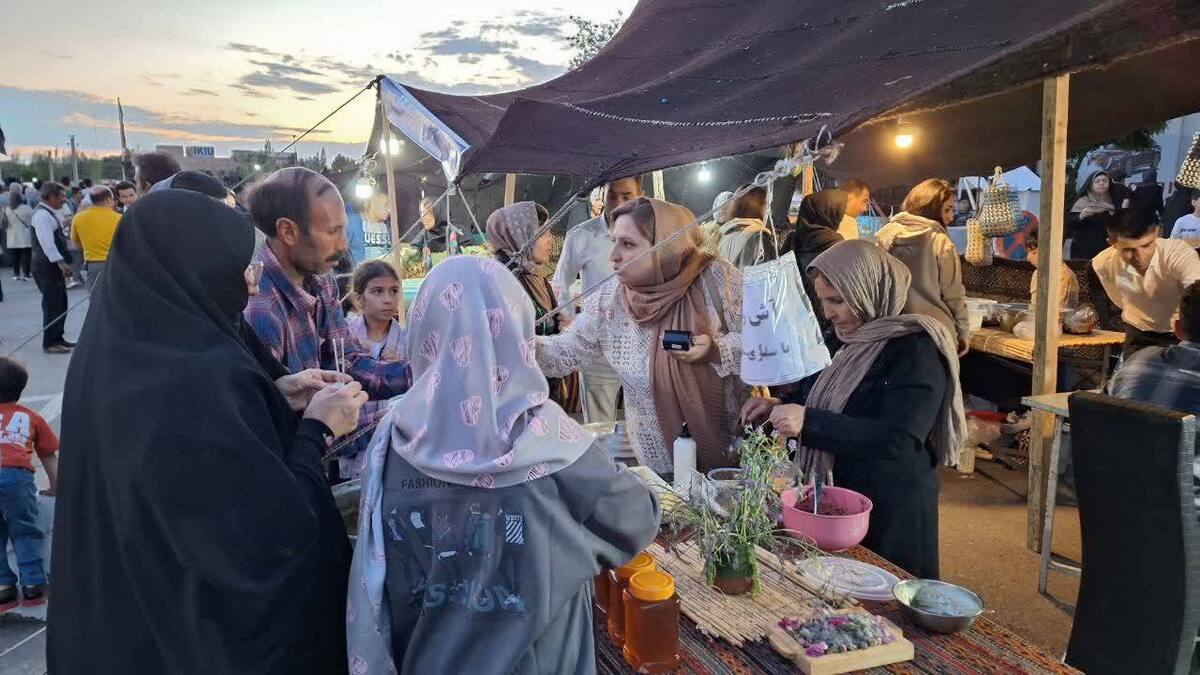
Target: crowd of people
218, 377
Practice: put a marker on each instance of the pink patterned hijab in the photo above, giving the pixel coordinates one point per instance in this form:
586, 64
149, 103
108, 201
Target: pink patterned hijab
478, 412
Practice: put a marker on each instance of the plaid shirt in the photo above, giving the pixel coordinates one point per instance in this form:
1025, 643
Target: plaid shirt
1167, 377
298, 325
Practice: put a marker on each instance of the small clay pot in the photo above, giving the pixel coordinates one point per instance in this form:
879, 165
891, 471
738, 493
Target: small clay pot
733, 585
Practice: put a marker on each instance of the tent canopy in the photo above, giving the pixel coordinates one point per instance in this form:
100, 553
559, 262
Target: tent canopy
685, 81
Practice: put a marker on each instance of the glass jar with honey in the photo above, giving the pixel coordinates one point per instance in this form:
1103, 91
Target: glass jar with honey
618, 580
652, 622
603, 589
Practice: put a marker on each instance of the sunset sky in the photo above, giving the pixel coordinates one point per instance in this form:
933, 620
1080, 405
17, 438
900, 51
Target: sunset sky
233, 73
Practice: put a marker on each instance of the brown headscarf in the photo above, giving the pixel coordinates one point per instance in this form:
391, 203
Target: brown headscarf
875, 286
508, 231
670, 296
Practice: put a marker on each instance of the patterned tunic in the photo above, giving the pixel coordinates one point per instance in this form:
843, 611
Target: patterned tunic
605, 328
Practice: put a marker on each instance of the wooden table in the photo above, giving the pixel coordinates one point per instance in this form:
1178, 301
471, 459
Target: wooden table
984, 648
1092, 351
1042, 510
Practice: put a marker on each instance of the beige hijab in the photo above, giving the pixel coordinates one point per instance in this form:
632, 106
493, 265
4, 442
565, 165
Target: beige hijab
670, 296
875, 286
509, 231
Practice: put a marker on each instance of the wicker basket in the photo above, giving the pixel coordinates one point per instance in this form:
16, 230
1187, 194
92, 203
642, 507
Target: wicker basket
999, 208
979, 247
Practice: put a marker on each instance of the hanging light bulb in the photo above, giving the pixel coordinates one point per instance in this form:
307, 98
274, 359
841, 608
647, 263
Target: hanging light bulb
395, 146
906, 134
904, 140
258, 167
363, 189
704, 175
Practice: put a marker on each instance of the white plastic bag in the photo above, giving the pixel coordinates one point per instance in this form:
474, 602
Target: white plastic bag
781, 339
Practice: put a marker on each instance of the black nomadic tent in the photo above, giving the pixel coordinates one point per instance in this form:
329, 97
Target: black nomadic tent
684, 81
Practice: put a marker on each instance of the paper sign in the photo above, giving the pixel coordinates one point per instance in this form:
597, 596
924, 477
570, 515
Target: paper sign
781, 339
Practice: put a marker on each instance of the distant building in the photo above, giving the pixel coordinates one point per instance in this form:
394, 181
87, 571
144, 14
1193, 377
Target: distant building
232, 169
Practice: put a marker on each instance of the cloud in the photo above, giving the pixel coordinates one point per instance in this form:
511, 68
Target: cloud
444, 34
530, 23
534, 70
249, 49
284, 68
202, 92
469, 45
342, 68
417, 79
469, 58
268, 80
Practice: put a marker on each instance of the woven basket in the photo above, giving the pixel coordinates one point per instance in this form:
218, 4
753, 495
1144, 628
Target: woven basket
979, 247
998, 209
1189, 171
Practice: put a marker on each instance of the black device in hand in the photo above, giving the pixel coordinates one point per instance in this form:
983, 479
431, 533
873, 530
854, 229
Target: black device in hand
677, 340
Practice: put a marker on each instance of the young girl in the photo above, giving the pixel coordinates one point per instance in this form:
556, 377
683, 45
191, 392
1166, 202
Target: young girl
377, 291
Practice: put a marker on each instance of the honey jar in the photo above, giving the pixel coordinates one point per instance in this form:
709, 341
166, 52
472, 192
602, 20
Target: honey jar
651, 622
618, 581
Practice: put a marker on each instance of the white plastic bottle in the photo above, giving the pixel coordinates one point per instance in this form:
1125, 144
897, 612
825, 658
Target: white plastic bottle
684, 459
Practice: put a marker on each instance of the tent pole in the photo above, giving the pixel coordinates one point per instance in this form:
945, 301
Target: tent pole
510, 189
806, 180
1055, 105
393, 208
660, 189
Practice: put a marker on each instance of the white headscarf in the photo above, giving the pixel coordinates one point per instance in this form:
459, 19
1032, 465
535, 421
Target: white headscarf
479, 412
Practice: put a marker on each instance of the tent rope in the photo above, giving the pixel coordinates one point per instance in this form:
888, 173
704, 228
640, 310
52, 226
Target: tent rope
802, 117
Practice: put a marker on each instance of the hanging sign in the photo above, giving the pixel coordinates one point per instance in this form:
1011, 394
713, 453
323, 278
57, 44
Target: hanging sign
781, 339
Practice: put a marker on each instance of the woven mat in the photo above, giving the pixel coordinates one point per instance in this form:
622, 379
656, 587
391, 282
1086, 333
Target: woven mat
738, 619
1000, 343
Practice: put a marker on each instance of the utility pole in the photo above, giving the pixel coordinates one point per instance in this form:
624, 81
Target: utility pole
126, 158
74, 161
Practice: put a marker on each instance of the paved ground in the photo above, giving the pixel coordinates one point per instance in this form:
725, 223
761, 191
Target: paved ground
982, 518
22, 631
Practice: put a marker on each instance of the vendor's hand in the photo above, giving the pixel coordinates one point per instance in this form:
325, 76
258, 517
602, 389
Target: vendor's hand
757, 409
788, 420
65, 269
964, 346
701, 346
337, 406
299, 388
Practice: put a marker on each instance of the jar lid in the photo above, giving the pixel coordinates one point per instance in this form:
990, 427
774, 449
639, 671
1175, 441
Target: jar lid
652, 585
640, 563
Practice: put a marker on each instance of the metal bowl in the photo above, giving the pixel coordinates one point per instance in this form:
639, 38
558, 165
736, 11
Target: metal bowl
971, 605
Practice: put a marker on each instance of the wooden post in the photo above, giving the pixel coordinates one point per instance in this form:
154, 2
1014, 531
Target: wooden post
510, 189
660, 190
393, 209
1055, 102
806, 180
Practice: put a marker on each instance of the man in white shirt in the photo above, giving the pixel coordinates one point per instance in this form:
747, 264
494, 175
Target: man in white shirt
585, 250
1187, 227
1146, 276
858, 198
51, 266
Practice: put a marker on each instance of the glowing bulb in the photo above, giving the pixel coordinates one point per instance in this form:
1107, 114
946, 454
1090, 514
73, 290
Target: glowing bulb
904, 140
704, 175
363, 190
258, 167
395, 146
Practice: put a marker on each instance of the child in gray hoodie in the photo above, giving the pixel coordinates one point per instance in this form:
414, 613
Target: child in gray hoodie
917, 237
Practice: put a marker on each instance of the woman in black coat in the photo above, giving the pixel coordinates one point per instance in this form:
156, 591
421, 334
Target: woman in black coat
886, 412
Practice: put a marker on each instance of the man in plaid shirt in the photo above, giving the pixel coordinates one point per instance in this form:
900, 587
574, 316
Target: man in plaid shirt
1168, 376
297, 313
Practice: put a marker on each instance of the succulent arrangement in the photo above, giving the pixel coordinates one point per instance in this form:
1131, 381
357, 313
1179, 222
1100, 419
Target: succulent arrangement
827, 632
729, 534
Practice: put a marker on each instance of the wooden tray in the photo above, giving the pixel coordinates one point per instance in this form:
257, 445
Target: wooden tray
896, 651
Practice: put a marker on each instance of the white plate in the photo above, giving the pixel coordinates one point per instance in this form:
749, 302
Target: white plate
858, 579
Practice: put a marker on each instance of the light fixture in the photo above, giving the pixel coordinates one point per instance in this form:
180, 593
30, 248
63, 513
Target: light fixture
704, 175
904, 140
395, 146
906, 134
363, 189
258, 167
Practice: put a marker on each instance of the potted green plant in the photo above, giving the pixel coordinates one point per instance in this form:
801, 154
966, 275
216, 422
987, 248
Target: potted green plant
729, 527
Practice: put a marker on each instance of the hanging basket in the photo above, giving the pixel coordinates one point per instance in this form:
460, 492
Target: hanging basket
999, 208
979, 247
1189, 171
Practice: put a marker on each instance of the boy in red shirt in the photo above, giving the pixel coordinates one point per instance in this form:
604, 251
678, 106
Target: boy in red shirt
22, 432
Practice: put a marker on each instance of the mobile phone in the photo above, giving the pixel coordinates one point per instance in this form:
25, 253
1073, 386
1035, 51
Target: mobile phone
677, 340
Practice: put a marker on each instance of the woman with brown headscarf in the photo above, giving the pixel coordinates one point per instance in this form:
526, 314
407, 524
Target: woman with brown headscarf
510, 232
676, 286
889, 407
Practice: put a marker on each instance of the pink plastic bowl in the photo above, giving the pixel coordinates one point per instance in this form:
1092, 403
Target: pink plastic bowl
832, 533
